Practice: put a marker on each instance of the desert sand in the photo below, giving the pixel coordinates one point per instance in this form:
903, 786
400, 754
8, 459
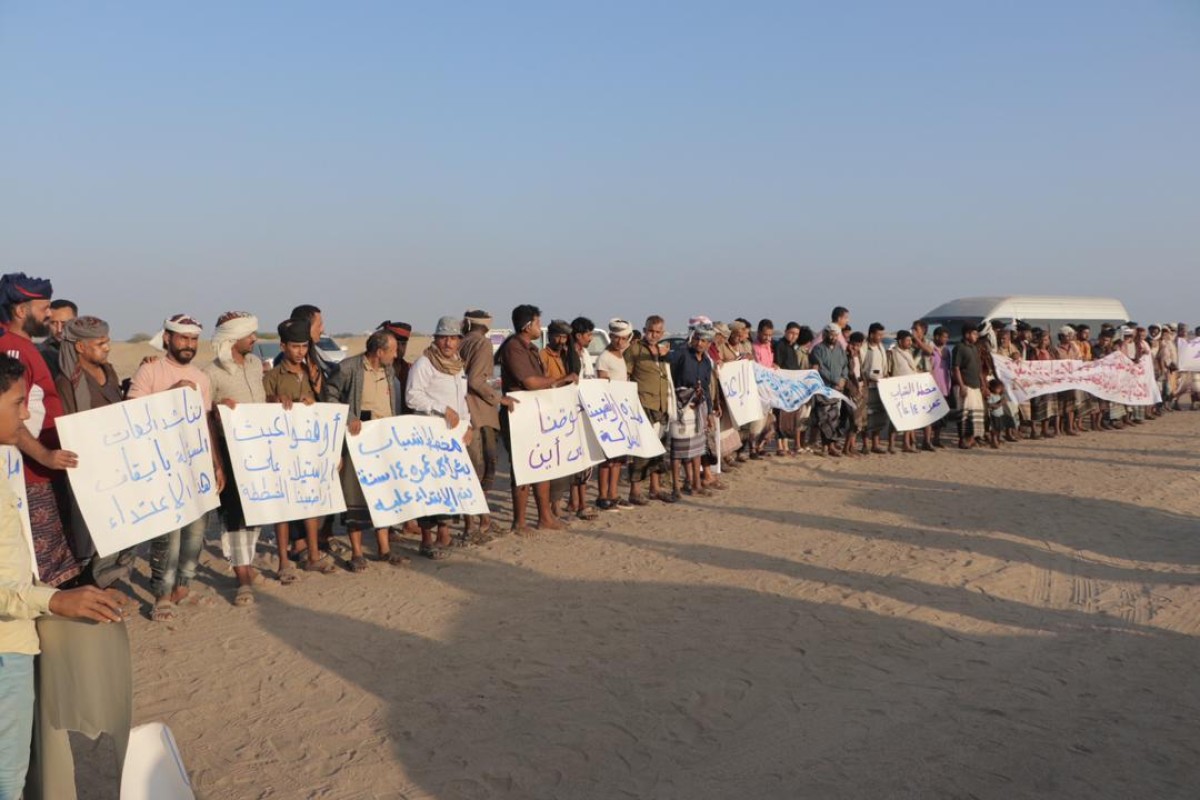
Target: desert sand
959, 625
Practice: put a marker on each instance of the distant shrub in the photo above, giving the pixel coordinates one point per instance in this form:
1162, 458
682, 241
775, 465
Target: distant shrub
139, 337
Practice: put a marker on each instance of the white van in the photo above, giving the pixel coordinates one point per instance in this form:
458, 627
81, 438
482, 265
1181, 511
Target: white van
1046, 312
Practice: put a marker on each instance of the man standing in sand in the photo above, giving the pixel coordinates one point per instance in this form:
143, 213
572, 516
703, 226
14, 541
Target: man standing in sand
25, 311
236, 377
295, 379
646, 365
483, 401
402, 332
367, 384
61, 312
968, 376
521, 369
833, 365
175, 555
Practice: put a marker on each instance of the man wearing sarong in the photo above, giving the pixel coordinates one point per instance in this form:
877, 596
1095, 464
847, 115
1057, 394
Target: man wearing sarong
692, 376
830, 360
1067, 403
647, 366
1044, 407
876, 366
787, 356
483, 401
968, 377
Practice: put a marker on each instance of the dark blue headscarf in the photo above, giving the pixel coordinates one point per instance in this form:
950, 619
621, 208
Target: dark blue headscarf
17, 287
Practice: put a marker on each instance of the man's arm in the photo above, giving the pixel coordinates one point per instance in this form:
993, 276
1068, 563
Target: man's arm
479, 373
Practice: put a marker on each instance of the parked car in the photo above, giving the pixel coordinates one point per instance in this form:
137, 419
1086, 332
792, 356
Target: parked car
334, 353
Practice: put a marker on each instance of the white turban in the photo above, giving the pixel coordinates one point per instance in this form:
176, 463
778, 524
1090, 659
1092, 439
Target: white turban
182, 323
619, 327
232, 326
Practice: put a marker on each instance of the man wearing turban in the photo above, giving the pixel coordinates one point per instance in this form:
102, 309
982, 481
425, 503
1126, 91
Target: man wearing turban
174, 556
24, 310
236, 374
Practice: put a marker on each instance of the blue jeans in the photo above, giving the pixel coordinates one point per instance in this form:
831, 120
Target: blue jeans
174, 556
16, 722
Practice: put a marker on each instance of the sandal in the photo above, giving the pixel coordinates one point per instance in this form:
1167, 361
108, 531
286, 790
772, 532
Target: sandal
396, 559
244, 596
586, 513
638, 500
357, 564
666, 497
164, 611
433, 553
323, 565
288, 575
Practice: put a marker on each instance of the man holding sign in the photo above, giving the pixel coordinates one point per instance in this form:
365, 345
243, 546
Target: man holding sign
174, 556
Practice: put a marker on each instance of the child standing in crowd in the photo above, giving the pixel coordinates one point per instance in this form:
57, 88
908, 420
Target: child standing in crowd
996, 415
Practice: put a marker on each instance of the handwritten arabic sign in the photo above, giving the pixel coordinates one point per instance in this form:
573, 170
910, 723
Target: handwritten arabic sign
618, 419
789, 389
414, 466
738, 386
14, 472
146, 467
285, 462
1115, 377
1189, 354
550, 436
913, 401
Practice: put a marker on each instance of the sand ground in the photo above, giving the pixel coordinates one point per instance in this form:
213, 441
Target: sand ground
960, 625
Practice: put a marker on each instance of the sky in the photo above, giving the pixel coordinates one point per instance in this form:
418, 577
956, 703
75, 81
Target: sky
408, 160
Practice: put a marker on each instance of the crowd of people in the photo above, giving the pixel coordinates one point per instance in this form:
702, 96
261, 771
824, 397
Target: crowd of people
453, 378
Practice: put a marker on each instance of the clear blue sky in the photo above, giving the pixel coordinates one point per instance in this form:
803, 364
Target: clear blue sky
409, 160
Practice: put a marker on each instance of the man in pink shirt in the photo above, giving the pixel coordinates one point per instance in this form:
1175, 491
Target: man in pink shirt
173, 556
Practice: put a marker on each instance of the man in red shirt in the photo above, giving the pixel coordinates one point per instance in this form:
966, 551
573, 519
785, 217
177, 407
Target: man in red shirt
24, 314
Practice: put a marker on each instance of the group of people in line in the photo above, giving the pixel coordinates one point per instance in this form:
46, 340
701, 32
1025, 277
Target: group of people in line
453, 378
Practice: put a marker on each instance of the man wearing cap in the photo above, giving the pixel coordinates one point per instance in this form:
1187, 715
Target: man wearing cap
831, 362
236, 376
24, 312
437, 387
85, 381
401, 332
483, 400
521, 369
646, 365
296, 379
174, 556
366, 383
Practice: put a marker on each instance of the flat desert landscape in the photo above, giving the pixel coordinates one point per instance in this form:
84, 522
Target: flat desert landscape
1022, 623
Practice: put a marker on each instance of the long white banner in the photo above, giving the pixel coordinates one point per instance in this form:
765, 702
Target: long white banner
414, 466
550, 434
145, 467
618, 419
912, 401
789, 389
1115, 378
1189, 354
285, 462
14, 472
741, 394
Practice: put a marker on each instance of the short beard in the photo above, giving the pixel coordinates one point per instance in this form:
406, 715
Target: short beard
34, 329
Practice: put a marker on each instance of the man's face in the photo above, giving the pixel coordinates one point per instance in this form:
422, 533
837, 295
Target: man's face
245, 345
558, 342
387, 354
59, 317
37, 318
829, 337
13, 412
447, 345
874, 337
653, 333
295, 352
972, 336
1140, 335
534, 328
583, 340
181, 347
1085, 334
941, 339
905, 343
765, 335
697, 344
843, 320
93, 351
401, 348
316, 328
791, 335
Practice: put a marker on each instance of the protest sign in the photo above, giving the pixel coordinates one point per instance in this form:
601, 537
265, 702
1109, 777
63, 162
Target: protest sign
414, 466
1115, 378
741, 395
789, 389
618, 419
913, 401
1189, 354
551, 437
285, 462
14, 472
145, 467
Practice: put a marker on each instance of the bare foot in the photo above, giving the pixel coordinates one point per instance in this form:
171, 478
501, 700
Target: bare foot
551, 525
